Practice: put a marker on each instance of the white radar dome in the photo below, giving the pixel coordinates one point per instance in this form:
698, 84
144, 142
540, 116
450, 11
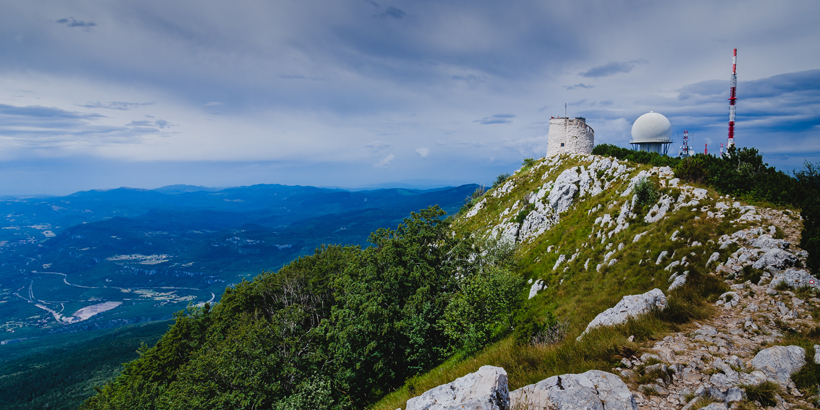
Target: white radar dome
651, 127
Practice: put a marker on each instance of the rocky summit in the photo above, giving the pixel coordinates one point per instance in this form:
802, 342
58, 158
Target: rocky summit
737, 358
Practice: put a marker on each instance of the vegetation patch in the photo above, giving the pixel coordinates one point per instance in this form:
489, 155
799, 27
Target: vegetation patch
763, 393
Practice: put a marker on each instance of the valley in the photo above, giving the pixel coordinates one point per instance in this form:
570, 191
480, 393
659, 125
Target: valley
104, 259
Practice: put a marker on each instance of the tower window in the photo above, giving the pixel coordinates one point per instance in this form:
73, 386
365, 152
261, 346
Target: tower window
562, 144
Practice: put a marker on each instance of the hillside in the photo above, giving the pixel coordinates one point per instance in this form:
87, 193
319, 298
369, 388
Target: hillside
588, 234
512, 282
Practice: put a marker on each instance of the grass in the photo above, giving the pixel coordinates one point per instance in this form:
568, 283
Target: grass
601, 349
763, 393
808, 378
576, 295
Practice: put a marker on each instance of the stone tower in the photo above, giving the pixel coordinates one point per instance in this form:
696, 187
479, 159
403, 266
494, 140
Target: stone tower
570, 136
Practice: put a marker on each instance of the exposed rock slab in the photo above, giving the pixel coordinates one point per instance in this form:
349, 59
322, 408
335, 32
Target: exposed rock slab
629, 307
485, 389
594, 390
780, 362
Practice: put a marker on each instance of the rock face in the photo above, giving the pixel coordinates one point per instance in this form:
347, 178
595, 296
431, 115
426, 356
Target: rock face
796, 279
594, 390
629, 307
485, 389
779, 362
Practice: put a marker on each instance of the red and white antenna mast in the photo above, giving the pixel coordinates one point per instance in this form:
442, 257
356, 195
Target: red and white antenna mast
705, 149
732, 99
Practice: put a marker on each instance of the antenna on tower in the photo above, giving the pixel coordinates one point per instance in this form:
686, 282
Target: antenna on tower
565, 110
705, 149
732, 99
684, 149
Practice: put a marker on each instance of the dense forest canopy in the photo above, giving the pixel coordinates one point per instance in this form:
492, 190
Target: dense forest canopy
334, 330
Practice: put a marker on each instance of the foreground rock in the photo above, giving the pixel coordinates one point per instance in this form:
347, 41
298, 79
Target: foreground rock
780, 362
629, 307
594, 390
485, 389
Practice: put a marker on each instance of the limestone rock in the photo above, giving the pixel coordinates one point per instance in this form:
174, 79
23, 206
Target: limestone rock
779, 362
485, 389
795, 278
478, 207
594, 390
776, 258
735, 394
561, 196
767, 242
678, 280
537, 286
630, 306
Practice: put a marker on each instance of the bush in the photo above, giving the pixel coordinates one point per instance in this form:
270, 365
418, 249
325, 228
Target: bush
641, 157
483, 308
533, 331
500, 179
646, 191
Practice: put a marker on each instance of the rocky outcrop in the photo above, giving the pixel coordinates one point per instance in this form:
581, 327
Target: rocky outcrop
485, 389
629, 307
536, 287
795, 279
780, 362
594, 390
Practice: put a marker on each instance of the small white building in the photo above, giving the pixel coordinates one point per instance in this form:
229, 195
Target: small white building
570, 136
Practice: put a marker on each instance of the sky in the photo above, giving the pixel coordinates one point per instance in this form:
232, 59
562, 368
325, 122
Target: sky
362, 93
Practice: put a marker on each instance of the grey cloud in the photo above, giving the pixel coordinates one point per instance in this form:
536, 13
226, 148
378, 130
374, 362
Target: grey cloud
377, 146
38, 111
801, 82
703, 88
394, 13
612, 68
579, 85
47, 127
162, 124
115, 105
469, 78
496, 119
71, 22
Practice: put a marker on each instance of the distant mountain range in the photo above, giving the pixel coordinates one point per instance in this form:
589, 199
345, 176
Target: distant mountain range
102, 259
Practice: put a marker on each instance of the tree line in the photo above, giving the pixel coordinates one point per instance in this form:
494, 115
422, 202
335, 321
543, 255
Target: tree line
334, 330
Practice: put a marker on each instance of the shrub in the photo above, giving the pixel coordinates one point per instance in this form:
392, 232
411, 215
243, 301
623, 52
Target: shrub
528, 163
500, 179
646, 191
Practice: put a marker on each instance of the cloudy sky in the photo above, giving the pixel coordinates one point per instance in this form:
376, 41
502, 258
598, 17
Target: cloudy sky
361, 93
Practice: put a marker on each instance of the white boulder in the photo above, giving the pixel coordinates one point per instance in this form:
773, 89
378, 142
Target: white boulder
795, 278
629, 307
776, 258
780, 362
485, 389
594, 390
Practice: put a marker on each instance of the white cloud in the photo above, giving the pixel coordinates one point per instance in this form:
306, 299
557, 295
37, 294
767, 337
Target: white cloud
424, 152
385, 162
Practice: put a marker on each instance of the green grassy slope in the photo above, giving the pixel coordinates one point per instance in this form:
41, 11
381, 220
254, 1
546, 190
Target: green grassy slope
577, 290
